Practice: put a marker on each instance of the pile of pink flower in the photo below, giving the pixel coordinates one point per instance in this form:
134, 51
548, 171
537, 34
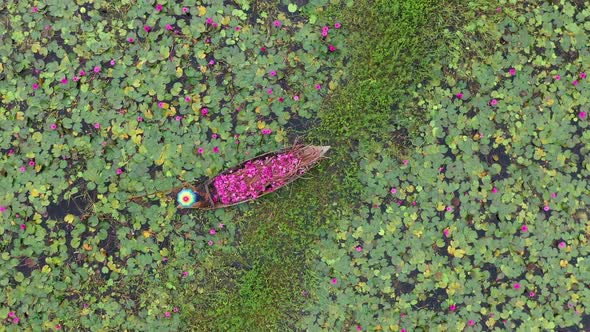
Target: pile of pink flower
255, 178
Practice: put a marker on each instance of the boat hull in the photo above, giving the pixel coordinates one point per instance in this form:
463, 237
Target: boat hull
309, 154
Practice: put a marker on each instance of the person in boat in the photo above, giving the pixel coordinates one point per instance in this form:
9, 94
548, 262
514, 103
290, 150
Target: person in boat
188, 198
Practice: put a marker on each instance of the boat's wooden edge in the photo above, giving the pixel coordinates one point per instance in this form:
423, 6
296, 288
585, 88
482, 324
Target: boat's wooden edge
325, 149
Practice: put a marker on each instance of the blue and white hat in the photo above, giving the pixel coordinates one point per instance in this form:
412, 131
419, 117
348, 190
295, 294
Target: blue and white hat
186, 198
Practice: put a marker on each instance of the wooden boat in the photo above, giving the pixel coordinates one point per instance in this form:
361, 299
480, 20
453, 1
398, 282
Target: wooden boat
212, 194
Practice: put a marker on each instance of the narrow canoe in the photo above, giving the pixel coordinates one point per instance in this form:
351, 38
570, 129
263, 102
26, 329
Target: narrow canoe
207, 197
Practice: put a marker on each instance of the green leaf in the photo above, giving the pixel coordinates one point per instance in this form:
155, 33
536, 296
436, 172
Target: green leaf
19, 277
